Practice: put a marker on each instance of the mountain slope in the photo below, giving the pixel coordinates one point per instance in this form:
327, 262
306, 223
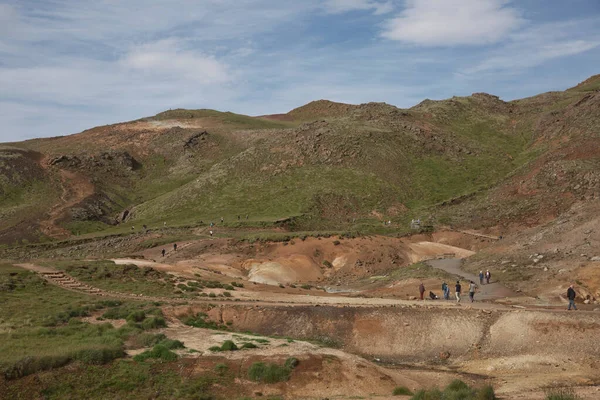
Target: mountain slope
465, 161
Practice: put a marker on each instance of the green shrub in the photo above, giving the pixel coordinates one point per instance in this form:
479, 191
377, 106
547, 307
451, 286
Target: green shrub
172, 344
457, 385
158, 352
136, 316
199, 321
291, 363
327, 264
486, 393
268, 373
306, 287
433, 394
221, 368
228, 287
226, 294
99, 355
215, 348
147, 339
154, 323
402, 391
29, 365
228, 345
336, 242
212, 295
249, 346
561, 394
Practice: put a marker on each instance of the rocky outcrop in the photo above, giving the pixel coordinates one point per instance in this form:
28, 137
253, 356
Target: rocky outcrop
109, 161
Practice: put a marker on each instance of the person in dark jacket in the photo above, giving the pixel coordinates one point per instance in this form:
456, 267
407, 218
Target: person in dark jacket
163, 252
421, 290
571, 296
457, 290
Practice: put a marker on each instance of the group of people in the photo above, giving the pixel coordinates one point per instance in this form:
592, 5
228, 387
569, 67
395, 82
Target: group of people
446, 291
487, 276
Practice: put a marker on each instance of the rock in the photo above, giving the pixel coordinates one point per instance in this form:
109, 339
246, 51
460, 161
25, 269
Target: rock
586, 301
545, 269
412, 298
595, 258
444, 355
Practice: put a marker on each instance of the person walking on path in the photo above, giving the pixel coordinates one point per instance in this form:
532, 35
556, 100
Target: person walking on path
571, 296
163, 252
481, 277
421, 290
445, 290
488, 276
174, 246
457, 290
472, 287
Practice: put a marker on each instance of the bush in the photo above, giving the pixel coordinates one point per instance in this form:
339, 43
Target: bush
147, 339
433, 394
486, 393
215, 348
457, 385
226, 294
228, 287
336, 242
172, 344
268, 373
249, 346
228, 345
221, 368
154, 323
136, 316
327, 264
29, 365
99, 356
306, 287
402, 391
212, 295
291, 363
561, 394
158, 352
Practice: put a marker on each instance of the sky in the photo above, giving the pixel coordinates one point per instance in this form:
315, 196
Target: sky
69, 65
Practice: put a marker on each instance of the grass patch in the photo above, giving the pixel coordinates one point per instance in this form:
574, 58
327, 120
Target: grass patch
561, 394
456, 390
402, 391
119, 278
268, 373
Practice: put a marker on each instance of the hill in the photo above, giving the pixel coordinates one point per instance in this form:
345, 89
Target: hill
473, 161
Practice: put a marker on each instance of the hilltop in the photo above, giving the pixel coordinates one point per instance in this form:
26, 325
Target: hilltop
473, 161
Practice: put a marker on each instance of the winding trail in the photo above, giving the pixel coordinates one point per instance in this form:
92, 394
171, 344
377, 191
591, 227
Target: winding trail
75, 188
491, 291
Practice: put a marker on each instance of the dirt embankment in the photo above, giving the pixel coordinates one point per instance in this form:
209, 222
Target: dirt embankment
499, 344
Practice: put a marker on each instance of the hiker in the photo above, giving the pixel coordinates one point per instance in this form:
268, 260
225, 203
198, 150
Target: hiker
472, 287
481, 277
457, 290
488, 276
571, 296
175, 246
211, 233
445, 290
212, 224
163, 252
221, 219
421, 290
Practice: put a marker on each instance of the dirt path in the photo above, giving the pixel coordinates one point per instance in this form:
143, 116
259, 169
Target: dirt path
75, 188
481, 235
492, 291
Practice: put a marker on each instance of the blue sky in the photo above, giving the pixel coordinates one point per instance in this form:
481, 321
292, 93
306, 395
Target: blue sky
68, 65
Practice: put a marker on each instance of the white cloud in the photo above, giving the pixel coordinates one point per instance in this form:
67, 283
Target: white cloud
342, 6
453, 22
169, 58
539, 44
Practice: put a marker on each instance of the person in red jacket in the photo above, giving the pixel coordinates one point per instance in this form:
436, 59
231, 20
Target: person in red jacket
421, 290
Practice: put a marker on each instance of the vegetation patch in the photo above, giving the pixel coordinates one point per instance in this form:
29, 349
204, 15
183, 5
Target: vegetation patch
456, 390
268, 373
